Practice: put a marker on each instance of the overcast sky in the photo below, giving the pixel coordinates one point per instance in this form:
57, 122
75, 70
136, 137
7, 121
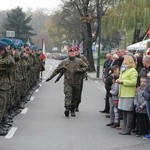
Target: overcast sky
34, 4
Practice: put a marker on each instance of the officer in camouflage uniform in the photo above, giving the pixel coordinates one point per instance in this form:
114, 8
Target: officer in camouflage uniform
73, 69
6, 62
84, 75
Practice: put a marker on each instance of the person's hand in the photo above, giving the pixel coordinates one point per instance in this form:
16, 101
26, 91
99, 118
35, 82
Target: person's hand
141, 107
48, 79
148, 75
77, 71
57, 80
119, 81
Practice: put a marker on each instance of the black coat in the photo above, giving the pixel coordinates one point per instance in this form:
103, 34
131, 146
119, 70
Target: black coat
108, 84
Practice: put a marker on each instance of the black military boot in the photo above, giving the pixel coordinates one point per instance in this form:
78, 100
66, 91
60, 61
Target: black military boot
21, 105
66, 113
4, 128
3, 132
7, 122
73, 113
77, 107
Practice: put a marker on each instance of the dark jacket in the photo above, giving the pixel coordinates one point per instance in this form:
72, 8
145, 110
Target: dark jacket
108, 84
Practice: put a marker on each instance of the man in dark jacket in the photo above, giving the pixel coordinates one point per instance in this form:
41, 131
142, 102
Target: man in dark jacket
146, 63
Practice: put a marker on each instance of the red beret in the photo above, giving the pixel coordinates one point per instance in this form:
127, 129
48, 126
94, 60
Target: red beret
71, 49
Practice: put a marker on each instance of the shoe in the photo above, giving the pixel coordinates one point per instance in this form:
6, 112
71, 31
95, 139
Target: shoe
119, 128
10, 117
115, 125
66, 113
146, 136
2, 132
137, 135
73, 113
120, 132
76, 109
107, 116
4, 125
102, 111
126, 133
3, 128
109, 124
134, 131
21, 106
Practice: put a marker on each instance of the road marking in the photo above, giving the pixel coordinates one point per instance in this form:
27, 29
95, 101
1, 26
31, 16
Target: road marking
11, 133
24, 111
50, 68
32, 98
37, 89
40, 85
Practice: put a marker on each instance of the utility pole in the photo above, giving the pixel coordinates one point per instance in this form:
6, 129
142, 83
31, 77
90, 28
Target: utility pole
99, 39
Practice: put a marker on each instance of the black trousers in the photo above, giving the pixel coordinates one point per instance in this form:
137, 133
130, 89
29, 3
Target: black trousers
142, 123
107, 107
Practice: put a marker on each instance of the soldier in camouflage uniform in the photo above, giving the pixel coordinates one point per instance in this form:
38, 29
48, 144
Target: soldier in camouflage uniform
84, 75
72, 68
6, 62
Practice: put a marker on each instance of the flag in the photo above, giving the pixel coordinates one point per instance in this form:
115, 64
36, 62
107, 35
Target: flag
148, 32
43, 57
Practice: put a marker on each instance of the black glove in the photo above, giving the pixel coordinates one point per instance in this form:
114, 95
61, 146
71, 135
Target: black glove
77, 71
48, 79
57, 80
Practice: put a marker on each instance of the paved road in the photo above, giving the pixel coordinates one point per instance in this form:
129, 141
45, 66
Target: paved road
43, 126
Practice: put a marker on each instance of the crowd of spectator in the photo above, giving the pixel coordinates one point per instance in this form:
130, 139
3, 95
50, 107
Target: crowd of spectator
127, 82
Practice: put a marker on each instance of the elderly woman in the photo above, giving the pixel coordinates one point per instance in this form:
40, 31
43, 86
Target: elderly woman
127, 88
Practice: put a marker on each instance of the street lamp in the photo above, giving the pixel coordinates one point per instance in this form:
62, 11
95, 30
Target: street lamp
99, 40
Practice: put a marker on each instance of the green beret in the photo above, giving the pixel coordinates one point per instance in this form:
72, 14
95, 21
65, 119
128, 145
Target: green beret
8, 41
4, 44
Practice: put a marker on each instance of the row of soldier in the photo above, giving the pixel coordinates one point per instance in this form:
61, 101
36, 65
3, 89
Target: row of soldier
19, 73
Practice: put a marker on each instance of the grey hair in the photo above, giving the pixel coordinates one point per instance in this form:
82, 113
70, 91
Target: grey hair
146, 57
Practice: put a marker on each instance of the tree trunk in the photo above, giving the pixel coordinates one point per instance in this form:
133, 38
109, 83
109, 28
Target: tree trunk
90, 56
136, 36
87, 45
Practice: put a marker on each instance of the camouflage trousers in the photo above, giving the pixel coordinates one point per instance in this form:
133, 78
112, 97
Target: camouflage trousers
3, 101
9, 99
72, 95
19, 92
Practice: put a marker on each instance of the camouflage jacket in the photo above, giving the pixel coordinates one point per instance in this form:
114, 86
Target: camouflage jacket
73, 70
6, 63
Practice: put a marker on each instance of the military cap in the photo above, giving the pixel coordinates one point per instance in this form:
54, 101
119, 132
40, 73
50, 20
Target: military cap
71, 49
4, 44
2, 47
26, 45
8, 41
